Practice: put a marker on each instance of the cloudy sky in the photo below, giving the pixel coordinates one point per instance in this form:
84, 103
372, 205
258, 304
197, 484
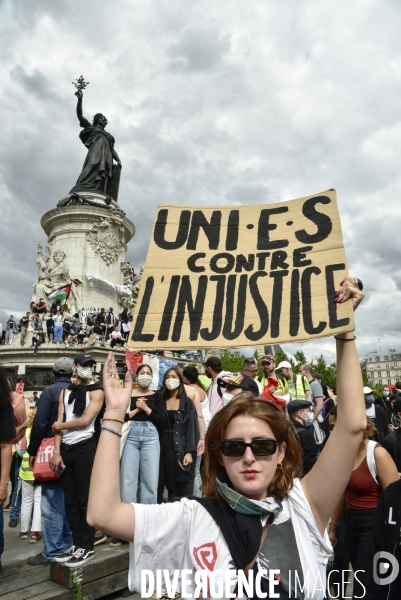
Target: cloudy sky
210, 102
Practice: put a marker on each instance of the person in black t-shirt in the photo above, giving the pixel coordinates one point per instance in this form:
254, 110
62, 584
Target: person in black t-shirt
7, 433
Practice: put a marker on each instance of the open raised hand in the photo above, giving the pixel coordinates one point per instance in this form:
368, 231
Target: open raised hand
117, 398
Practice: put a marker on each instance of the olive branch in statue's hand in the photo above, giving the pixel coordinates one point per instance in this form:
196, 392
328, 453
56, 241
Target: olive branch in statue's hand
80, 85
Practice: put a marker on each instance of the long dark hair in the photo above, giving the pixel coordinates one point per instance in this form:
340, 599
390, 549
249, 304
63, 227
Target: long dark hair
180, 390
5, 388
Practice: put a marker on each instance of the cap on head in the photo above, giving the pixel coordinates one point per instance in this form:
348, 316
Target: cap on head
213, 362
246, 383
296, 405
269, 357
63, 365
367, 390
284, 365
83, 359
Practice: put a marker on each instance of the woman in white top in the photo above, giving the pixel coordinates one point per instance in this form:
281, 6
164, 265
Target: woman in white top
251, 467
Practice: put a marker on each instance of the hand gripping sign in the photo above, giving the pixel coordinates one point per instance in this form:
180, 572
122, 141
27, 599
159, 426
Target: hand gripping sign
223, 276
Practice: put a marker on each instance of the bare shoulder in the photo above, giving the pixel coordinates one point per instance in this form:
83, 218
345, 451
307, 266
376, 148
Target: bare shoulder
191, 393
96, 395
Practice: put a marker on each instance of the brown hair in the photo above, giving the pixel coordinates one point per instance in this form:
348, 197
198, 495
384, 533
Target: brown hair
247, 404
180, 390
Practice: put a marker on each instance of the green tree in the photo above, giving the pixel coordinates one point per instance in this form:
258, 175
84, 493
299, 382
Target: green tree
299, 359
231, 361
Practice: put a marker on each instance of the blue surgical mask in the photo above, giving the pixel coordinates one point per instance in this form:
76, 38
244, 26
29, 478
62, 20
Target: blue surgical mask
386, 394
370, 399
309, 418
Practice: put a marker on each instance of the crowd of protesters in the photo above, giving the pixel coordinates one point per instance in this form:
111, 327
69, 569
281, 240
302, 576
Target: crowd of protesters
165, 457
55, 325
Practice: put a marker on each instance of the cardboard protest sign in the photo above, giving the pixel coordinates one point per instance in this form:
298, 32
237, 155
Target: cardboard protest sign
224, 276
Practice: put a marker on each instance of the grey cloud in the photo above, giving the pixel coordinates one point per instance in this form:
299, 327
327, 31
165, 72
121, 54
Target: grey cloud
198, 50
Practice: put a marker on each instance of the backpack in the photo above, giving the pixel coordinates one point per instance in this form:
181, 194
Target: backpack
20, 418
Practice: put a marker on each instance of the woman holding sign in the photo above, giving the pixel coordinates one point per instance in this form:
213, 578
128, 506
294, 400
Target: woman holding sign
256, 513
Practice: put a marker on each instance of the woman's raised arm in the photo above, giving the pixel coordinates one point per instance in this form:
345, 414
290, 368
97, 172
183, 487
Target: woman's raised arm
326, 481
105, 509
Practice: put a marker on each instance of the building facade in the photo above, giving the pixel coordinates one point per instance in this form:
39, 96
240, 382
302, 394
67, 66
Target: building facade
382, 368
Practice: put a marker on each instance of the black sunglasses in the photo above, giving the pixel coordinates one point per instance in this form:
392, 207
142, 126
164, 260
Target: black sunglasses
235, 448
267, 362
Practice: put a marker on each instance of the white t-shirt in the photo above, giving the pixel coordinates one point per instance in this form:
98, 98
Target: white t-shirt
182, 535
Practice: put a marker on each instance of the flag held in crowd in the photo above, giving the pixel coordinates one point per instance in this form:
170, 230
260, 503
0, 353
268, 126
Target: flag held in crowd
62, 293
224, 276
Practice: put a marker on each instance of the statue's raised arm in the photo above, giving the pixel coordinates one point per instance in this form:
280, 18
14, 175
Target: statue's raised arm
98, 172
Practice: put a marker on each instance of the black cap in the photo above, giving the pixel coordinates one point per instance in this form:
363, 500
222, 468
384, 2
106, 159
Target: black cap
83, 358
296, 405
213, 362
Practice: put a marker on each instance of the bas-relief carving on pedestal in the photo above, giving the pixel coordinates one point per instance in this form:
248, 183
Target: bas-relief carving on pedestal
134, 283
107, 238
50, 278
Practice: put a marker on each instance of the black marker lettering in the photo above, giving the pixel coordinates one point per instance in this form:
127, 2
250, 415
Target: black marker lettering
137, 335
207, 334
306, 288
160, 230
230, 333
278, 259
260, 306
323, 222
265, 227
211, 230
191, 262
299, 255
243, 264
165, 324
331, 293
295, 305
277, 302
222, 256
232, 230
262, 260
195, 311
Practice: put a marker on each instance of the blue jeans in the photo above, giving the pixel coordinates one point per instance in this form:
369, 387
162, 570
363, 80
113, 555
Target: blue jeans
198, 479
141, 453
55, 527
58, 333
1, 531
16, 498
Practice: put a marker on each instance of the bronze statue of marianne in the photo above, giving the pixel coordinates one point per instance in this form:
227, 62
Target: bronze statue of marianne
99, 172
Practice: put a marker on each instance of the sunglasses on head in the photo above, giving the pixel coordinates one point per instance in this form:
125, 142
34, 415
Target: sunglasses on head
262, 447
267, 362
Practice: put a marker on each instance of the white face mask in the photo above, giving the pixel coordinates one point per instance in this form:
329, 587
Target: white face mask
84, 372
145, 380
226, 397
172, 384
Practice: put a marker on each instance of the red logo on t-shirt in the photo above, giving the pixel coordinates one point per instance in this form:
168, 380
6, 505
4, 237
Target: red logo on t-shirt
206, 556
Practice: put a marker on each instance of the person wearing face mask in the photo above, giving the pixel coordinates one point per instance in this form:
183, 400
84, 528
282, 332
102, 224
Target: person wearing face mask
233, 384
74, 453
301, 415
213, 370
141, 453
179, 439
384, 400
377, 414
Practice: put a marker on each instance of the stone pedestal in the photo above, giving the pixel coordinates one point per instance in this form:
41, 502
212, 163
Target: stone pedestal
90, 233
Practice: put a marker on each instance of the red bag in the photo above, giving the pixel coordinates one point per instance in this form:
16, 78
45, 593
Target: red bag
20, 418
41, 469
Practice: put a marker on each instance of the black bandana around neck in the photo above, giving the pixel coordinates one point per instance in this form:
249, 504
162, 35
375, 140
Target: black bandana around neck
78, 396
